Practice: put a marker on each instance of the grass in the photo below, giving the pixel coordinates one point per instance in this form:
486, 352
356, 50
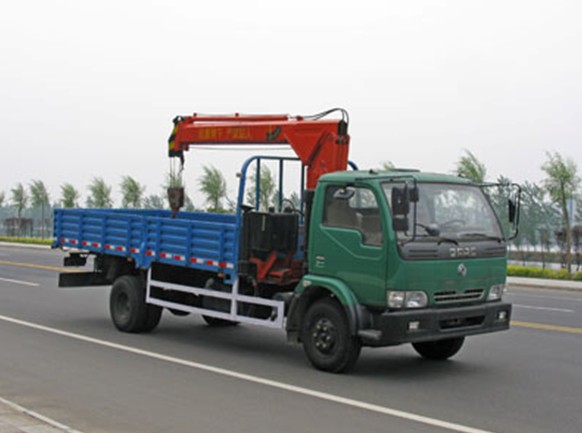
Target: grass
533, 272
30, 241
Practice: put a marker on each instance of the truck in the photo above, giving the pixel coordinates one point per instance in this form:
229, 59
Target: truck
367, 258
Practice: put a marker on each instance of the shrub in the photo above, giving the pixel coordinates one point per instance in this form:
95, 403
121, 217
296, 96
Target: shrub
33, 241
533, 272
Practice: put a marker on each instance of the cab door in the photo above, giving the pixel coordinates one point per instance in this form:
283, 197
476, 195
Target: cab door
348, 241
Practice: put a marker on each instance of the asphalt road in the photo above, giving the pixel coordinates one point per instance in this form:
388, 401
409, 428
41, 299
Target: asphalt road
61, 356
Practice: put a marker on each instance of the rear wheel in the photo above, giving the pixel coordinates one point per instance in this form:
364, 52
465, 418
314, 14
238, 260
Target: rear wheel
439, 350
154, 316
127, 306
326, 338
178, 313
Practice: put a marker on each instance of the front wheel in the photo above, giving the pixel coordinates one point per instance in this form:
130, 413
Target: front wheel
439, 350
326, 337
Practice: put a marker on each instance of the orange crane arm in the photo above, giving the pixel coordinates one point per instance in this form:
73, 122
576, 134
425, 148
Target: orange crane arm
321, 144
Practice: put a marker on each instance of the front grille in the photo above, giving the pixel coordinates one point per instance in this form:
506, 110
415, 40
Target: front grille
454, 296
496, 251
423, 253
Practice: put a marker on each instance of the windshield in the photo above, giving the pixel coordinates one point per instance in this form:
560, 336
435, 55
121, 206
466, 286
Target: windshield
448, 211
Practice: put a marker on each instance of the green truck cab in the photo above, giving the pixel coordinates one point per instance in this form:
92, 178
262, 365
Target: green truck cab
398, 257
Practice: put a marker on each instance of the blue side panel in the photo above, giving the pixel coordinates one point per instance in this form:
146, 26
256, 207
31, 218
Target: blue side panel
197, 240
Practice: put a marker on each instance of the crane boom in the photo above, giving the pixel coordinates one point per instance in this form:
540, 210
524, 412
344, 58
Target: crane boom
321, 144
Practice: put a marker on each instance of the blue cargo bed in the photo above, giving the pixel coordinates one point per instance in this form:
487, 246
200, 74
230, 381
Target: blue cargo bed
203, 241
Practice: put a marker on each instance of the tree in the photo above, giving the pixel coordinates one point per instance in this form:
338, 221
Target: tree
189, 205
175, 189
174, 180
69, 196
562, 182
577, 242
40, 198
470, 167
538, 216
19, 201
267, 188
154, 201
295, 200
132, 193
213, 186
99, 194
498, 194
2, 198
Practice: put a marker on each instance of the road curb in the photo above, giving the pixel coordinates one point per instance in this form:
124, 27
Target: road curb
544, 284
19, 245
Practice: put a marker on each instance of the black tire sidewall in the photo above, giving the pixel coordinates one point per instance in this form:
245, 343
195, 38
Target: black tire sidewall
439, 350
133, 288
346, 348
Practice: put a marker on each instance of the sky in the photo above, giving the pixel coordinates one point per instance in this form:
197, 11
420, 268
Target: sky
89, 89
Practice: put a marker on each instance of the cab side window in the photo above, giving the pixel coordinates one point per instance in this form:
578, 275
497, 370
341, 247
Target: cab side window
354, 208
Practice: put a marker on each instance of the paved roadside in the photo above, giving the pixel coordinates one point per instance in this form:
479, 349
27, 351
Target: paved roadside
538, 283
16, 245
17, 419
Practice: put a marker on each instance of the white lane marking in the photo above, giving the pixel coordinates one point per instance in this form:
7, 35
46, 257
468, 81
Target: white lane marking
23, 283
256, 379
532, 307
38, 416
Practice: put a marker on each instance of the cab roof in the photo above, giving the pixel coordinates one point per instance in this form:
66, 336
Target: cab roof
350, 176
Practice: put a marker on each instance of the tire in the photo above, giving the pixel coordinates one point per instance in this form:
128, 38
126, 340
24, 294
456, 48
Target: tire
153, 318
178, 313
439, 350
217, 322
327, 342
128, 309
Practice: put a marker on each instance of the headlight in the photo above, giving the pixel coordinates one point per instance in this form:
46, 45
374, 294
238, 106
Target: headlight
395, 299
415, 299
496, 292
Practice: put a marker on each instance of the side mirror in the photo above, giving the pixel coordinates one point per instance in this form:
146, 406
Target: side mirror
400, 223
400, 201
511, 210
413, 194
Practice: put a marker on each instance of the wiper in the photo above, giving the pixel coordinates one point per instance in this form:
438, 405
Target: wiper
439, 240
450, 240
482, 236
433, 231
430, 229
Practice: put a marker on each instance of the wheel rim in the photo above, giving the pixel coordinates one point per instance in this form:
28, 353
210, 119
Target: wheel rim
324, 336
122, 306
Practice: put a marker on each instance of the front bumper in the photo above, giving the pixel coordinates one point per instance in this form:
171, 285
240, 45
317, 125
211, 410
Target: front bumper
412, 326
